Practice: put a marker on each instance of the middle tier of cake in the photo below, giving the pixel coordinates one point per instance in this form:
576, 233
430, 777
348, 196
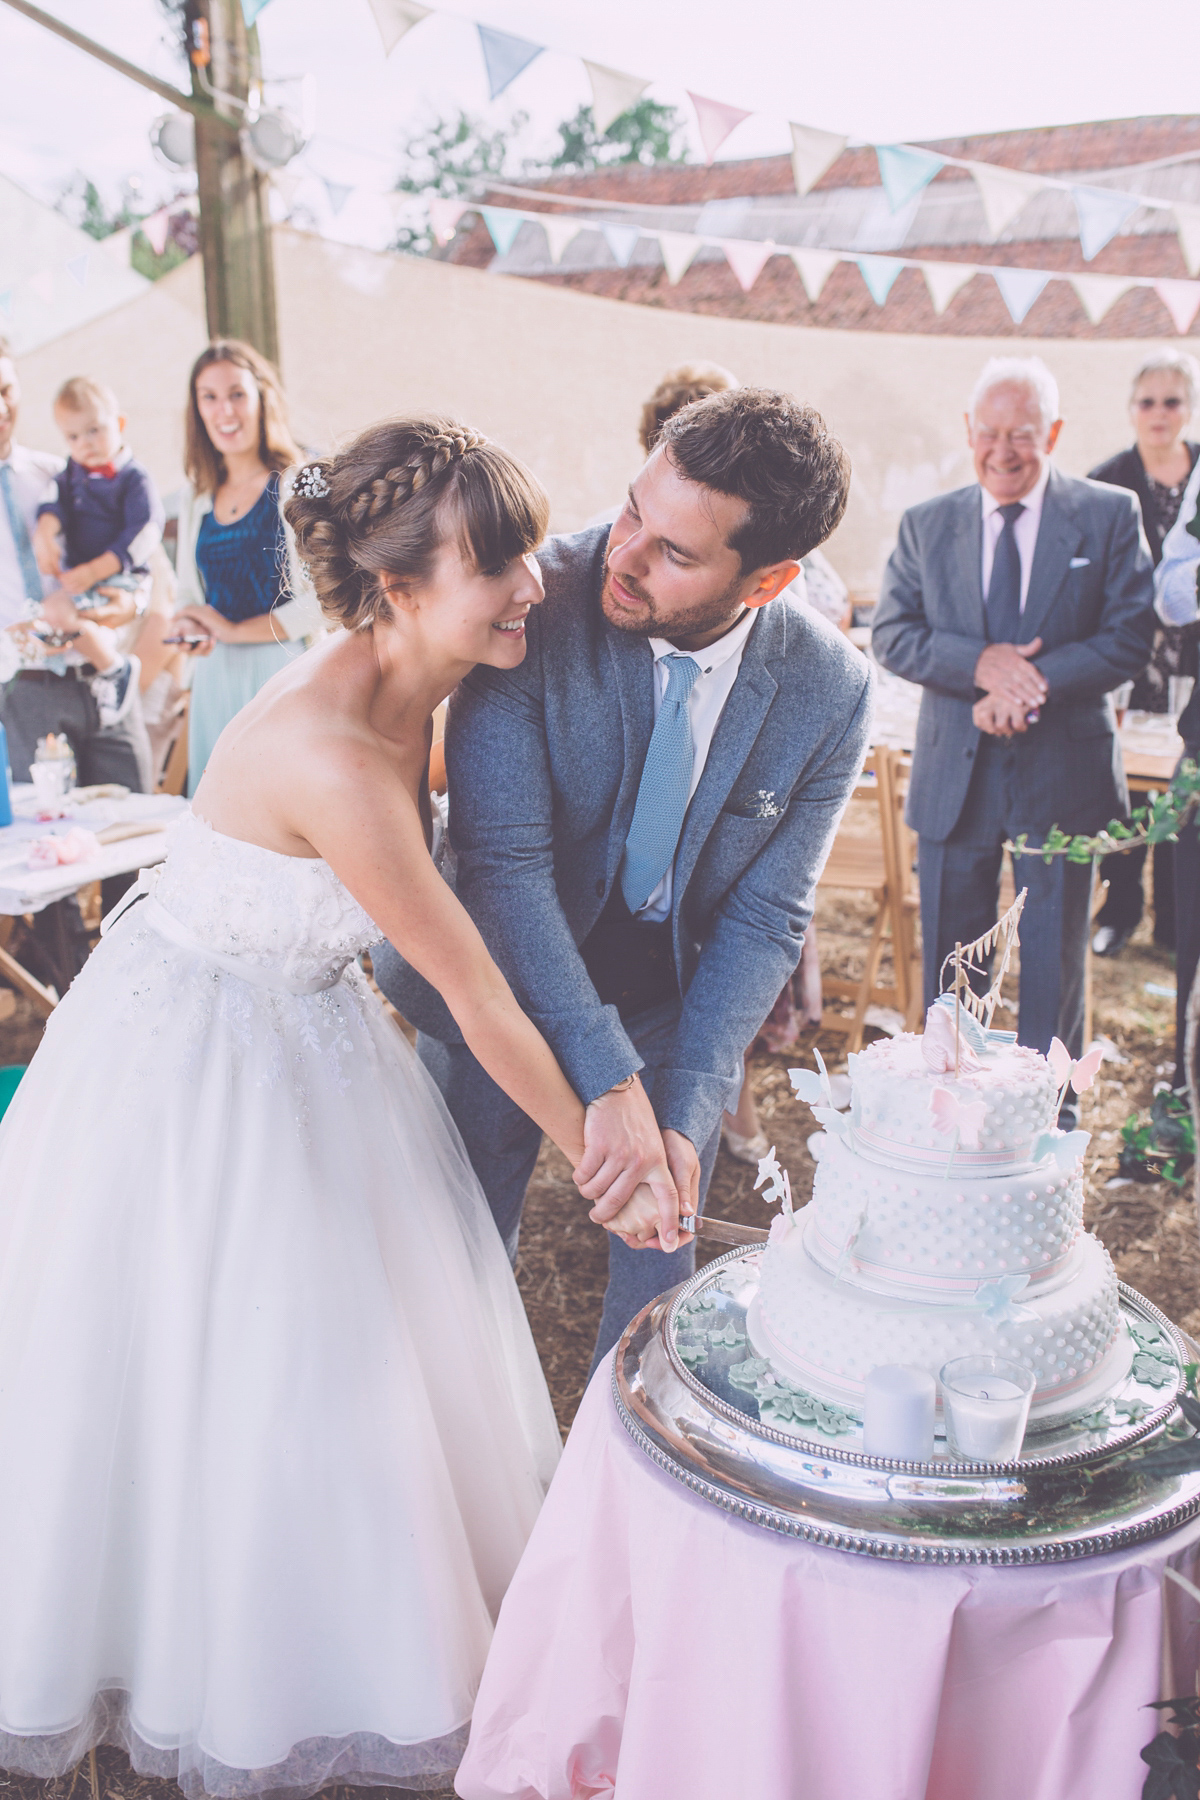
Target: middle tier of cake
927, 1235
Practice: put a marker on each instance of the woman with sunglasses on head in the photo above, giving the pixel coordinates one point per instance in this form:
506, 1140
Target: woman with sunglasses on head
1156, 467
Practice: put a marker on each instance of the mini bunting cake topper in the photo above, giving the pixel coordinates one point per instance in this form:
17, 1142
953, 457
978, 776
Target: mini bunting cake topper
966, 960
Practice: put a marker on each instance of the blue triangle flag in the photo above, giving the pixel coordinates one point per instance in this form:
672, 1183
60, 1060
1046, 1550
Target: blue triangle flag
905, 171
879, 273
78, 267
1019, 288
622, 241
6, 302
1102, 212
252, 8
503, 226
503, 56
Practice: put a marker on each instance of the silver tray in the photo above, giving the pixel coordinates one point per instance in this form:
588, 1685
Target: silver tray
1075, 1491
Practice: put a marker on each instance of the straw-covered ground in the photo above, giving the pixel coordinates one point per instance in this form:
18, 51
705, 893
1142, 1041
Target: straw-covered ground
1150, 1230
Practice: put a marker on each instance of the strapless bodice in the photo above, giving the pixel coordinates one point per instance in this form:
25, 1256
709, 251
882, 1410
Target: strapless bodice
288, 914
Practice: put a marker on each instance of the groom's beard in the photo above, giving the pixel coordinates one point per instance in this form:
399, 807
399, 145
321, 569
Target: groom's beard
720, 613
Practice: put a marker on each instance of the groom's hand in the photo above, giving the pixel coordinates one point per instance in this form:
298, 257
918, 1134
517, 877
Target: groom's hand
684, 1165
623, 1147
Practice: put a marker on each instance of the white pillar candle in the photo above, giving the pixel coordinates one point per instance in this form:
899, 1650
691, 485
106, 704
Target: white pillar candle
898, 1412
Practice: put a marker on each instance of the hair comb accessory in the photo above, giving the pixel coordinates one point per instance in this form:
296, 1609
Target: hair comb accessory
311, 483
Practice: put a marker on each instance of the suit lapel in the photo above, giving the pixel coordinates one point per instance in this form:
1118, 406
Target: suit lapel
968, 540
1058, 539
633, 665
733, 740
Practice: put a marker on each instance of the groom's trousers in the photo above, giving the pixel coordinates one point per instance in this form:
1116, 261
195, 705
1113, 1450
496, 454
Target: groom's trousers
503, 1143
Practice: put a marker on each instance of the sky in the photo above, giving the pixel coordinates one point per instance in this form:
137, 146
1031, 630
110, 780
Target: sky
870, 68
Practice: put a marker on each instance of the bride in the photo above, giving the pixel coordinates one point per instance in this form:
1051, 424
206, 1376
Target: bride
273, 1431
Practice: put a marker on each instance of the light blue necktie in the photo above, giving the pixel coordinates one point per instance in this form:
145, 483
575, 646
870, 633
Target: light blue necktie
663, 790
20, 531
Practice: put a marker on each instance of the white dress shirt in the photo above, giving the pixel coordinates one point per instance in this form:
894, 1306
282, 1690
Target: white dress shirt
719, 665
1025, 530
1175, 576
33, 477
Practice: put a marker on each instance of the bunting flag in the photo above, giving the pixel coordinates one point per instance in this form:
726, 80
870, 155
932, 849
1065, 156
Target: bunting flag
1102, 212
678, 250
444, 216
1019, 288
1187, 223
6, 303
251, 10
78, 268
612, 93
622, 241
287, 184
502, 225
504, 57
559, 233
879, 273
338, 193
814, 268
1182, 301
944, 280
746, 259
155, 228
813, 152
716, 121
393, 18
904, 171
1098, 294
1003, 192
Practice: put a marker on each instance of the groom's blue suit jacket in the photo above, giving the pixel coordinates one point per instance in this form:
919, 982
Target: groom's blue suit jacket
544, 763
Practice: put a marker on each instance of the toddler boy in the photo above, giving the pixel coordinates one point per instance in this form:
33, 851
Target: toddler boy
96, 533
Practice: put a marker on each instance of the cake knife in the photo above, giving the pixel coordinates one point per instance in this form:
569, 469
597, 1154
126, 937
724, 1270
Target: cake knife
721, 1231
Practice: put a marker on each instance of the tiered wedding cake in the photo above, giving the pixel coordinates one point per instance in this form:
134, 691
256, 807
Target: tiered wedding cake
946, 1220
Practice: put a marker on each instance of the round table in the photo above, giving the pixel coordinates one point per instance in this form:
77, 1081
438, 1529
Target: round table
651, 1647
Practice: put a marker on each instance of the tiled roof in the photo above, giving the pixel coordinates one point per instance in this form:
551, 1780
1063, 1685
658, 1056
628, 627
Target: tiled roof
847, 211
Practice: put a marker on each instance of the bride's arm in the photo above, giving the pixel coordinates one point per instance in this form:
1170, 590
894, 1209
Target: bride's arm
369, 833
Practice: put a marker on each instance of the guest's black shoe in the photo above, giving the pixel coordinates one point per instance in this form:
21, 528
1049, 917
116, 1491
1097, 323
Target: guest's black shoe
1110, 940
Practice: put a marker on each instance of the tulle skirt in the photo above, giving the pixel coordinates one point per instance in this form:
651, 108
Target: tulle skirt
273, 1431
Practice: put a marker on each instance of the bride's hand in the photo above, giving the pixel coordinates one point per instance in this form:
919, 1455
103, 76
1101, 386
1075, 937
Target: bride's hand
638, 1222
624, 1148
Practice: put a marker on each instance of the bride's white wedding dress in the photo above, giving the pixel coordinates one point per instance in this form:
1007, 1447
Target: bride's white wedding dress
273, 1431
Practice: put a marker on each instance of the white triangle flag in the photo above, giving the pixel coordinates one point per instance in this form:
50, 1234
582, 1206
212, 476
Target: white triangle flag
394, 18
1102, 213
286, 183
716, 120
1003, 193
813, 152
559, 233
444, 216
1187, 223
612, 93
944, 281
746, 259
1019, 288
678, 249
1097, 294
1182, 301
814, 268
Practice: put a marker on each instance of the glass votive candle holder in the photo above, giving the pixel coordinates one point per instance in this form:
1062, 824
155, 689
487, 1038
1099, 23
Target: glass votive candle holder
986, 1401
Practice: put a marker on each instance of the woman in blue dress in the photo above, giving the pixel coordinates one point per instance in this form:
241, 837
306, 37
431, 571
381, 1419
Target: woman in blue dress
240, 587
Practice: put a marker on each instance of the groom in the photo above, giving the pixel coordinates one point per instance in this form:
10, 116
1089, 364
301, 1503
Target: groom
640, 811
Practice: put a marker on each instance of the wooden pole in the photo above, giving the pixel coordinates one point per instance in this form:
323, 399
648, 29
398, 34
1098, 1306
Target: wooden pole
235, 229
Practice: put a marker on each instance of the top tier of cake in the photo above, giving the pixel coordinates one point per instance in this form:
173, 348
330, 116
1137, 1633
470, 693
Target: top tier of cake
995, 1110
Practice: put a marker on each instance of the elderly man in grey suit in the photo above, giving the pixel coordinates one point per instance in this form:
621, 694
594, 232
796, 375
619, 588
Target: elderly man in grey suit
1017, 604
640, 811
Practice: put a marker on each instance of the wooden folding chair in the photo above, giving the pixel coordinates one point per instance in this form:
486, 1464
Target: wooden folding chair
174, 776
895, 774
860, 859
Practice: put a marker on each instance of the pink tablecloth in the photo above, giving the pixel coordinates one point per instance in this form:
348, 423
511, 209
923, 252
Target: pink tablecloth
653, 1648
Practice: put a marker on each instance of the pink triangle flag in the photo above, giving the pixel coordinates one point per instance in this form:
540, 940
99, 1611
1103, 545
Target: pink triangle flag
1182, 301
716, 121
746, 259
444, 216
155, 229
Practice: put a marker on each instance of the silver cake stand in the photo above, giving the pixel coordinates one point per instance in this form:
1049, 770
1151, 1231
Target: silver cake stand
693, 1396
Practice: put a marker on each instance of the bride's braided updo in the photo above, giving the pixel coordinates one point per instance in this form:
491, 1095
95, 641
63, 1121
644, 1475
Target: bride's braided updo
384, 506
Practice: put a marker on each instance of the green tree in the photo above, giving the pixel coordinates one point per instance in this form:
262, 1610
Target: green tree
81, 201
648, 133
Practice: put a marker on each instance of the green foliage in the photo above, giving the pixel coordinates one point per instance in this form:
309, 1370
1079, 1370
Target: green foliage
1174, 1761
1160, 1145
80, 201
648, 133
1157, 823
143, 259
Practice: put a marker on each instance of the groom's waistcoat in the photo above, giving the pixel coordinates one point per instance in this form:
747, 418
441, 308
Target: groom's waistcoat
544, 763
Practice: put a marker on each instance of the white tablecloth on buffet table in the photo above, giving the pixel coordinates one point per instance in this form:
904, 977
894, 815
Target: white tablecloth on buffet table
652, 1647
26, 890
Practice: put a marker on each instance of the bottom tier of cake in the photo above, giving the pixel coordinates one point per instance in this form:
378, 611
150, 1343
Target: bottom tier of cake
826, 1335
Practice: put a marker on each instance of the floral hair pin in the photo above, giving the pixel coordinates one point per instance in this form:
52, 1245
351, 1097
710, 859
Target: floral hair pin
311, 483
